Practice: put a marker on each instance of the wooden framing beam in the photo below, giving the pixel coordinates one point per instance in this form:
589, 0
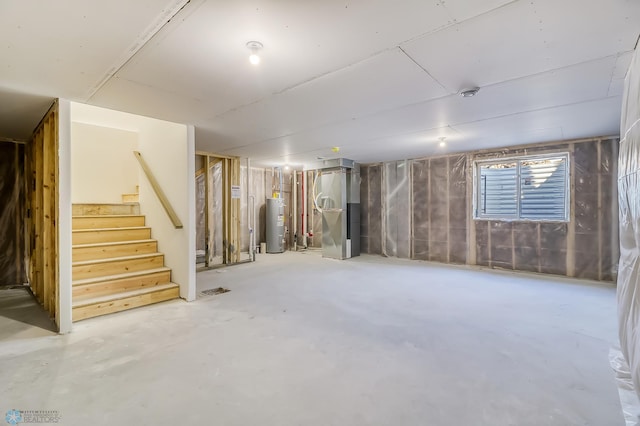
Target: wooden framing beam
42, 194
208, 213
230, 170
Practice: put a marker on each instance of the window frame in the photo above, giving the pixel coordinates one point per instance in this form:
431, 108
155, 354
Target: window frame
518, 159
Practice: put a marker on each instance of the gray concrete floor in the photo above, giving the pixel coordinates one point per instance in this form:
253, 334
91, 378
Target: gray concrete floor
302, 340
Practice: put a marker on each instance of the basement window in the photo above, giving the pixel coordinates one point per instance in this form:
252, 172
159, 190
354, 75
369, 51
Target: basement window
533, 188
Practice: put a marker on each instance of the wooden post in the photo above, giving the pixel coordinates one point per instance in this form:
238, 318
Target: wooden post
208, 212
571, 226
47, 231
471, 223
225, 211
38, 261
42, 200
54, 280
17, 207
600, 227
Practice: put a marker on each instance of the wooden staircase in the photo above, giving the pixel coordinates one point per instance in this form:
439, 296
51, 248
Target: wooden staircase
116, 264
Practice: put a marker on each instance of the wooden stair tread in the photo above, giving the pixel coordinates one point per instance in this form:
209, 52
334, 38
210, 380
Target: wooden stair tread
123, 295
119, 276
105, 209
113, 243
116, 259
118, 265
127, 228
100, 216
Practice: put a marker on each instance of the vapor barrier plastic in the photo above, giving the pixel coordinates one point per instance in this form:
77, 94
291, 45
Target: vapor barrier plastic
244, 208
397, 214
254, 184
201, 230
216, 189
434, 219
628, 367
11, 214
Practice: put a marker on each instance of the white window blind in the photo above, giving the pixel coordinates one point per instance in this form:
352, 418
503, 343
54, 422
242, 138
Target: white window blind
529, 188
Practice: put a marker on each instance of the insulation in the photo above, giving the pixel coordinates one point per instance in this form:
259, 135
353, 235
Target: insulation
432, 207
201, 228
12, 270
627, 366
253, 183
371, 209
397, 221
216, 210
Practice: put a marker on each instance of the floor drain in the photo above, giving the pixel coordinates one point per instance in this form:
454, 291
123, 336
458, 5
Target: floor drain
214, 291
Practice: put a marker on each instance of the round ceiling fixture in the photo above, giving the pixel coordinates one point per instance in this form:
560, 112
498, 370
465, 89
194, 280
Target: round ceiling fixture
442, 141
254, 47
469, 93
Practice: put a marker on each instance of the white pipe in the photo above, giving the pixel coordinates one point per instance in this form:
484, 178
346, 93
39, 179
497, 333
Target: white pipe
315, 197
305, 208
312, 214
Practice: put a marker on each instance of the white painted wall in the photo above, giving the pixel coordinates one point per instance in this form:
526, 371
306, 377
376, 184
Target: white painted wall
169, 150
63, 317
102, 163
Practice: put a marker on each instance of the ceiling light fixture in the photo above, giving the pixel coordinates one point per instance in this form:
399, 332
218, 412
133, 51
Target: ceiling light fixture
254, 47
442, 141
287, 167
469, 93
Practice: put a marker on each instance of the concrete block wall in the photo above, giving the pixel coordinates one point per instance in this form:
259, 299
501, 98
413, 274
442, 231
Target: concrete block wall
442, 228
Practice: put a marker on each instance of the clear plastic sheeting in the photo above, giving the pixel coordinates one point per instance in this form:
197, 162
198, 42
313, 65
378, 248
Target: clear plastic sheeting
397, 214
423, 209
253, 183
626, 389
627, 366
12, 269
201, 228
244, 208
216, 210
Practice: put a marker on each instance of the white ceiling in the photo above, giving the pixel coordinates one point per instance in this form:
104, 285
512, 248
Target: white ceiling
377, 78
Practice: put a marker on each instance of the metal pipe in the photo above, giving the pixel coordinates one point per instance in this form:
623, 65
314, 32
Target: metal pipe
250, 213
294, 191
304, 208
310, 229
252, 228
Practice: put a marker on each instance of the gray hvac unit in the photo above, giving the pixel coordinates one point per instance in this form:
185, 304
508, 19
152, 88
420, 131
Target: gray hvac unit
337, 196
275, 225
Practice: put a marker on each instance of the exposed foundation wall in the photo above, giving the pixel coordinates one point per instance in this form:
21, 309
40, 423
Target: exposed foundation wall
437, 224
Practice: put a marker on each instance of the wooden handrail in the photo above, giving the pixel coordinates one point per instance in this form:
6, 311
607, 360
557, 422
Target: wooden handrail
159, 193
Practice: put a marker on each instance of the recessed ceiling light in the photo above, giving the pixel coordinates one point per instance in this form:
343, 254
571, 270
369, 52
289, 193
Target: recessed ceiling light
469, 93
254, 47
